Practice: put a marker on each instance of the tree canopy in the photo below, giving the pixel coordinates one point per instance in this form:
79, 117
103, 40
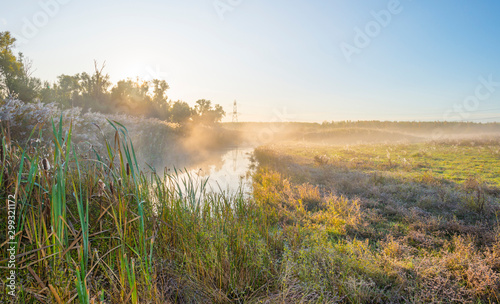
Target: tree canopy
15, 72
96, 92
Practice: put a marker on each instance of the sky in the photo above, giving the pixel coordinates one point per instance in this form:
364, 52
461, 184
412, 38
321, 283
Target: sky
290, 60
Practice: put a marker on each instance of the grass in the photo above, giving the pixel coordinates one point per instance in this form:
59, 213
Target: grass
97, 230
321, 227
455, 161
396, 223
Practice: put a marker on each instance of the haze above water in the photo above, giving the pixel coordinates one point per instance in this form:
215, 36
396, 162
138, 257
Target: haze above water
227, 171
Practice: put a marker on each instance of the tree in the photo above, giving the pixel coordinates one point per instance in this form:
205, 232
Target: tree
99, 81
206, 113
218, 113
9, 66
67, 91
91, 91
94, 90
81, 90
202, 107
180, 112
160, 107
160, 88
131, 96
26, 87
15, 72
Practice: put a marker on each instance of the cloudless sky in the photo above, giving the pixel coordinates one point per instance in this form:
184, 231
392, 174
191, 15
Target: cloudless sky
281, 60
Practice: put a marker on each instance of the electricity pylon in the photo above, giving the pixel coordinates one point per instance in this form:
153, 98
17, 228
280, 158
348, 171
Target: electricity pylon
235, 112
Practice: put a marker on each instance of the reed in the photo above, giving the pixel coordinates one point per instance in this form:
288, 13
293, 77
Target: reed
96, 229
99, 230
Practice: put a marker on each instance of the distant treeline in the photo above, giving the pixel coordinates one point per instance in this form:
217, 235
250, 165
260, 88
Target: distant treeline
371, 124
96, 92
398, 124
415, 125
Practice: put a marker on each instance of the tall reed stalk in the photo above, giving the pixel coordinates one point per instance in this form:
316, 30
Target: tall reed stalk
99, 229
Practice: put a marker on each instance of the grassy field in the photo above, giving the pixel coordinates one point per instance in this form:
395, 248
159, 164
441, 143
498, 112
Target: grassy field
453, 161
381, 223
393, 223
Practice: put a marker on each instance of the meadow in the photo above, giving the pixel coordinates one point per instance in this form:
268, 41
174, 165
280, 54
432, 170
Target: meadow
364, 223
391, 223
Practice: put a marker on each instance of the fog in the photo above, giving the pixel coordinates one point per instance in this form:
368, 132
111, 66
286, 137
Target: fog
211, 150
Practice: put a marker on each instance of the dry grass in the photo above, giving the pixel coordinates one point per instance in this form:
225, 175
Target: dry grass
349, 227
386, 232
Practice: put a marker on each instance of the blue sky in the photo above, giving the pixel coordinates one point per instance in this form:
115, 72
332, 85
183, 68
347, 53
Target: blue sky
281, 60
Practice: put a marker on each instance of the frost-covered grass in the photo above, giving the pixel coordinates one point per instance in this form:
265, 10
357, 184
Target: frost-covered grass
89, 128
98, 230
452, 160
412, 223
322, 227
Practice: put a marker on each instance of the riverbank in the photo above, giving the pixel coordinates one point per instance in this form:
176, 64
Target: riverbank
325, 224
98, 229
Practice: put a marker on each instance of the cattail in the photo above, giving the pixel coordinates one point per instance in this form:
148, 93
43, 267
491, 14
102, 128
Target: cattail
101, 186
7, 137
128, 170
120, 182
45, 164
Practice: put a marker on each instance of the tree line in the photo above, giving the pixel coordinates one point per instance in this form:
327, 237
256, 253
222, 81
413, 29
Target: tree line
96, 92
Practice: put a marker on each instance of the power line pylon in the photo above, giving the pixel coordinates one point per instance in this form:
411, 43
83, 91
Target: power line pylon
235, 112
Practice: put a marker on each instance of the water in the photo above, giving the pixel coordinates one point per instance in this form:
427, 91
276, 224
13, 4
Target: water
227, 170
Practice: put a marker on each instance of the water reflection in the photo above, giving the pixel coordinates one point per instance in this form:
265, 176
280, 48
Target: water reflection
227, 170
